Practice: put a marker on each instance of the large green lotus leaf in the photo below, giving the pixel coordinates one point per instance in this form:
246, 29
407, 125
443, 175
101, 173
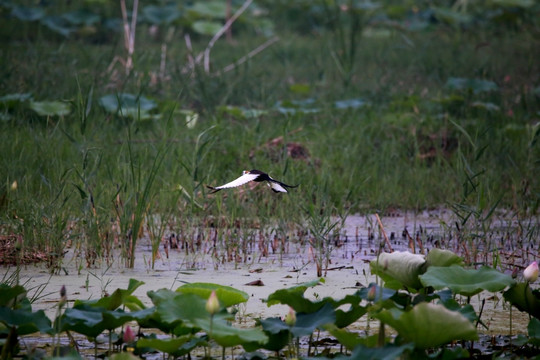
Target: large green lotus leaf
346, 338
227, 296
116, 299
161, 295
82, 321
307, 323
533, 330
452, 17
177, 346
467, 282
187, 309
127, 104
294, 297
346, 317
524, 299
398, 269
161, 15
474, 85
9, 295
222, 332
514, 3
12, 101
124, 356
211, 9
28, 13
206, 27
58, 25
387, 352
440, 257
277, 332
27, 322
81, 17
50, 108
429, 325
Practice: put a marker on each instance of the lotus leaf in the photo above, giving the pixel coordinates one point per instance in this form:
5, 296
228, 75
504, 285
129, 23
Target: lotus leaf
422, 325
440, 257
474, 85
227, 295
467, 282
178, 346
400, 268
26, 322
524, 298
50, 108
294, 297
206, 27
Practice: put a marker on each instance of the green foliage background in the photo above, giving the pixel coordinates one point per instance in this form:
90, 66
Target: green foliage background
393, 104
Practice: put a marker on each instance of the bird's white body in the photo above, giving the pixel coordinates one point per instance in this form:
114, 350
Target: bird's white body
254, 175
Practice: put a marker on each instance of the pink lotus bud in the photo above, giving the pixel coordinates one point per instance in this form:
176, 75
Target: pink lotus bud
212, 305
290, 318
129, 335
530, 274
372, 292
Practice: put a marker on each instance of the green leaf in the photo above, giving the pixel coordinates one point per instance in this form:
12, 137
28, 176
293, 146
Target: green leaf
533, 330
206, 27
11, 295
294, 297
348, 339
115, 300
222, 332
182, 308
27, 13
50, 108
524, 298
306, 323
178, 346
422, 325
440, 257
227, 295
128, 105
11, 101
26, 321
161, 15
474, 85
387, 352
398, 269
350, 104
58, 25
467, 282
81, 17
211, 9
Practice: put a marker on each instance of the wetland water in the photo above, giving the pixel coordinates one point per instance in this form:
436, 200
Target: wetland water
348, 269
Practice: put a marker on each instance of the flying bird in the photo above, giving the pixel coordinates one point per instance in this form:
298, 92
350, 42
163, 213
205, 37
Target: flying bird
253, 175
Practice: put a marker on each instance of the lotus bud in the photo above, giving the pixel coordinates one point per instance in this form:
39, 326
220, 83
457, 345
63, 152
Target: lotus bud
372, 292
129, 335
530, 274
290, 318
212, 305
63, 295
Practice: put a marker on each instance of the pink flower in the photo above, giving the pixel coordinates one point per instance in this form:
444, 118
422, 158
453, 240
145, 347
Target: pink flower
129, 335
530, 274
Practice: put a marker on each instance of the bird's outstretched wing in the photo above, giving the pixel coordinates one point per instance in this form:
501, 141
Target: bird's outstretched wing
244, 179
278, 186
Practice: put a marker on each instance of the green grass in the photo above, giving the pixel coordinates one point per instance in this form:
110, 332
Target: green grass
414, 146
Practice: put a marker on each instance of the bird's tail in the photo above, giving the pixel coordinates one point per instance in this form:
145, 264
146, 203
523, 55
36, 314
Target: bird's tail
212, 188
